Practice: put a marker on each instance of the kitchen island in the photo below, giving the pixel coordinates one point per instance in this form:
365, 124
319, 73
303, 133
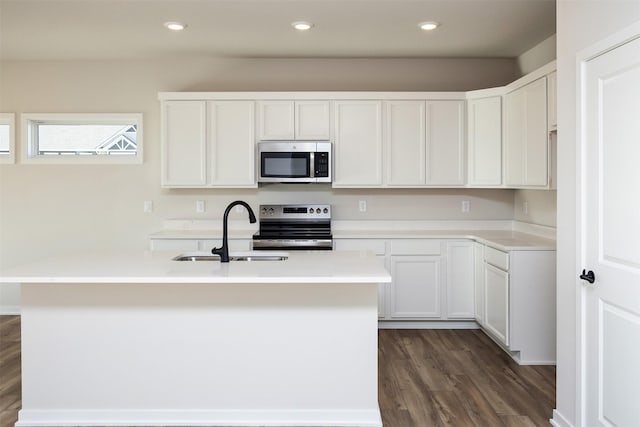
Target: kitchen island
136, 338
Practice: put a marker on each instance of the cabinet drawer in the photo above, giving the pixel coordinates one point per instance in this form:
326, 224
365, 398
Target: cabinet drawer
415, 247
496, 258
374, 245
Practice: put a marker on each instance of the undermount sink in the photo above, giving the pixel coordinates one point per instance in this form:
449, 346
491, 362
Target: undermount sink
196, 258
258, 258
241, 256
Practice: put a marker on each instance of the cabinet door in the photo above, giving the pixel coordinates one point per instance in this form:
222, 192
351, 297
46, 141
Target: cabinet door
312, 120
478, 262
445, 142
276, 120
525, 132
184, 144
485, 141
358, 144
232, 142
514, 113
460, 280
496, 284
536, 137
405, 140
415, 290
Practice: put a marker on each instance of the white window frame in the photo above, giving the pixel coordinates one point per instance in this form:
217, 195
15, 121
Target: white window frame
30, 149
9, 119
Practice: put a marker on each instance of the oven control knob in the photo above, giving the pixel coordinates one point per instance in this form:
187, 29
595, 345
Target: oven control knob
270, 211
310, 210
325, 210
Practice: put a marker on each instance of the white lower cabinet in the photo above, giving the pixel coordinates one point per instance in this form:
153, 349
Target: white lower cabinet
422, 288
478, 282
459, 258
496, 284
415, 287
519, 302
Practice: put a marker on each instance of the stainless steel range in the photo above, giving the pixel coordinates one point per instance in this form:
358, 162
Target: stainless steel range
294, 227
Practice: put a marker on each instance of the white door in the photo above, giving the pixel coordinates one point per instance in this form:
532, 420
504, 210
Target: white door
610, 231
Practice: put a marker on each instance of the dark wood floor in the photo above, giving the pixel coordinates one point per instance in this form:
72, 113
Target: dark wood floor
427, 378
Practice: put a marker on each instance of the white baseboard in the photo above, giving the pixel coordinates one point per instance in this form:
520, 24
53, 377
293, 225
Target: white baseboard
61, 418
416, 324
558, 420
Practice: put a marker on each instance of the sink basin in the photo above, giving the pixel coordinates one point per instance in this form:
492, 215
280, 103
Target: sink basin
240, 256
258, 258
187, 257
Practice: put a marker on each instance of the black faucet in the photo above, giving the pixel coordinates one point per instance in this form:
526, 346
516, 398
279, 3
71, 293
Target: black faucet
224, 250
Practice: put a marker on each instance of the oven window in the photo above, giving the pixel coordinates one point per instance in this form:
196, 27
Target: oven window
286, 165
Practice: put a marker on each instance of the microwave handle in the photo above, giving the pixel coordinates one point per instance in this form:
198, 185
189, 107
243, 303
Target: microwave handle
312, 164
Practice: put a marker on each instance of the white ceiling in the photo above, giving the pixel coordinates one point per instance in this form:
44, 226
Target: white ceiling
127, 29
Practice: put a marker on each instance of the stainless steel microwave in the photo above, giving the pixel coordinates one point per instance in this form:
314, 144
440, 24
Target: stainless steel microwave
294, 161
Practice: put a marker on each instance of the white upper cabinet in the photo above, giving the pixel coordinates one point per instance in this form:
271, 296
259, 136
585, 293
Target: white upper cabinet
312, 120
484, 141
184, 143
405, 139
358, 143
445, 142
525, 135
424, 143
293, 120
208, 144
232, 143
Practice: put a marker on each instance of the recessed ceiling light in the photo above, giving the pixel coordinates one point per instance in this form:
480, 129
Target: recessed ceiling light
429, 25
302, 25
175, 26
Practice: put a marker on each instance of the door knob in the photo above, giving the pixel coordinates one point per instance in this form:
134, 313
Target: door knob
589, 277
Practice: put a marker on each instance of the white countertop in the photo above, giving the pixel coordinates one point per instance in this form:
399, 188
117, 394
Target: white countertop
158, 267
497, 234
504, 240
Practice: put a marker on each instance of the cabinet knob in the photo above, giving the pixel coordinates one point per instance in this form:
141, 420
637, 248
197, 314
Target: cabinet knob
589, 277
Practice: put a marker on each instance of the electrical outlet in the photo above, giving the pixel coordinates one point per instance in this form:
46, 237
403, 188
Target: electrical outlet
466, 206
200, 206
525, 207
362, 205
147, 206
240, 209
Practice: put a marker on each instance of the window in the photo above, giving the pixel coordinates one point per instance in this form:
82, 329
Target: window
83, 138
7, 146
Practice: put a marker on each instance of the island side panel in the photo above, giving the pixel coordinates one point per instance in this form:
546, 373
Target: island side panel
199, 354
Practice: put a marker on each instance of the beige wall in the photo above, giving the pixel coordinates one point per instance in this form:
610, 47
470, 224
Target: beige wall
542, 53
580, 24
535, 206
47, 209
